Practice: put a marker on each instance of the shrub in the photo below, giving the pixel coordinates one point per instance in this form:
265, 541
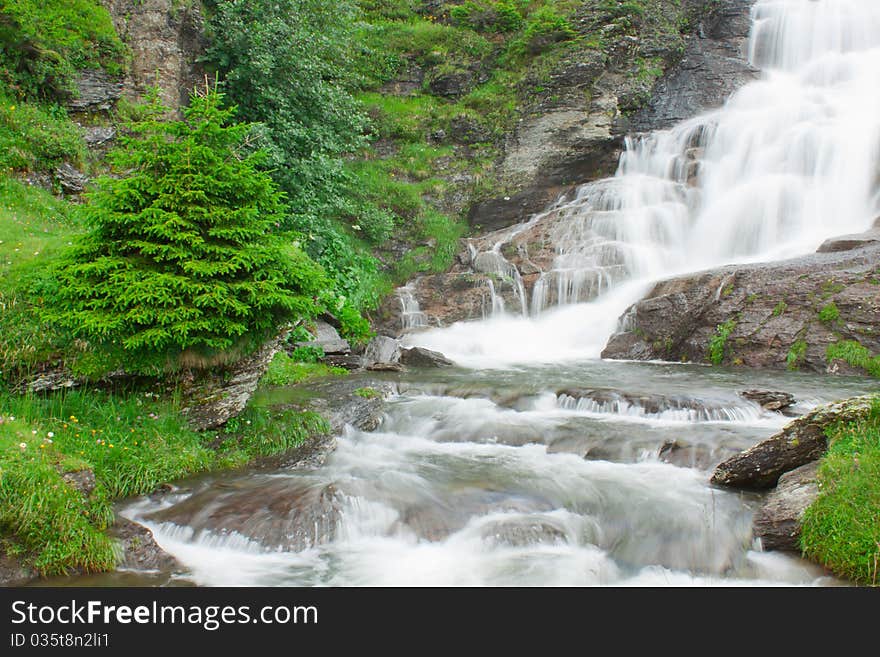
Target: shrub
184, 263
718, 342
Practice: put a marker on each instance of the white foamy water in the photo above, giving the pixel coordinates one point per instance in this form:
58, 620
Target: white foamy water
790, 160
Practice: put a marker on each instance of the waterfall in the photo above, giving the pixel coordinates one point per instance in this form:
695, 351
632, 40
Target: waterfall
788, 161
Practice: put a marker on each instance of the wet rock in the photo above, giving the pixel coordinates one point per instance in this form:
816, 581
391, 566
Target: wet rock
385, 367
774, 309
801, 441
381, 349
278, 513
219, 396
327, 339
71, 180
769, 400
437, 521
614, 401
714, 65
778, 522
338, 401
139, 549
465, 130
525, 531
850, 242
684, 455
421, 357
96, 92
13, 572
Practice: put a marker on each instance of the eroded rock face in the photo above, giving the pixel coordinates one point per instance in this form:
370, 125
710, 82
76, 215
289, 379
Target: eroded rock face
778, 522
783, 314
96, 92
139, 548
421, 357
166, 39
220, 396
802, 441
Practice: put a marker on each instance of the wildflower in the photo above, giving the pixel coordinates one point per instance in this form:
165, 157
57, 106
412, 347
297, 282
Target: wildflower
110, 445
42, 447
22, 445
51, 434
34, 432
12, 418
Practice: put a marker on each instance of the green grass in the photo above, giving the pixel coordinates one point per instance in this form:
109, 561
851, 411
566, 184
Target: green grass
35, 228
779, 308
285, 371
856, 354
841, 529
133, 440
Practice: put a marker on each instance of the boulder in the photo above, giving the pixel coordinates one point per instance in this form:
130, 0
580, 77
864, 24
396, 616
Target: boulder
768, 399
421, 357
327, 339
778, 522
850, 242
381, 349
217, 397
773, 309
801, 441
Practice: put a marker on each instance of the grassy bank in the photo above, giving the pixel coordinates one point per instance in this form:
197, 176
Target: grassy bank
133, 441
841, 530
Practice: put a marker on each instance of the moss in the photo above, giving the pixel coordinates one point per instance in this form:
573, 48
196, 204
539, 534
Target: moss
796, 354
718, 342
829, 313
779, 309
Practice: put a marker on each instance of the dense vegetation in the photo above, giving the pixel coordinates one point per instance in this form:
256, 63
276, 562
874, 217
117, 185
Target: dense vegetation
842, 528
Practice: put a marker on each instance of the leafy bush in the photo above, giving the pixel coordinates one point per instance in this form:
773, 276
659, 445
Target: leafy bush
487, 16
185, 263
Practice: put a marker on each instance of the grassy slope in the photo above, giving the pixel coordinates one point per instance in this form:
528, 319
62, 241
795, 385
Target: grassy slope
842, 528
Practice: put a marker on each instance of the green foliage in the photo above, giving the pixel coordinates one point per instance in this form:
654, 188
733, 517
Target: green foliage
488, 16
779, 308
43, 44
36, 138
856, 354
544, 27
841, 529
796, 354
285, 370
718, 342
367, 393
185, 261
829, 313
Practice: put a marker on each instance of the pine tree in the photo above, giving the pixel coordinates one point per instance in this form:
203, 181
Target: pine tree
183, 257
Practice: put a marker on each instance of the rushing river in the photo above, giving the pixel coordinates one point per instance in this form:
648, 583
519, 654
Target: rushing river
533, 462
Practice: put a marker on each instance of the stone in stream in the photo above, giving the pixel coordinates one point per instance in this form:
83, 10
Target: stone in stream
850, 242
778, 522
381, 349
421, 357
801, 441
769, 400
684, 455
525, 530
278, 513
600, 400
140, 550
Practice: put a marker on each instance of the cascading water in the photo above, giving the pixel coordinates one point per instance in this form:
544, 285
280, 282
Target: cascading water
566, 470
790, 160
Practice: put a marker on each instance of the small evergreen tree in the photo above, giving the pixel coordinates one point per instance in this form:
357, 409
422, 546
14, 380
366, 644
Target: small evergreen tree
184, 258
